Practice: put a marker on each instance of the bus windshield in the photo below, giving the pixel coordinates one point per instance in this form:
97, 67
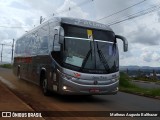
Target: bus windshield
76, 51
90, 56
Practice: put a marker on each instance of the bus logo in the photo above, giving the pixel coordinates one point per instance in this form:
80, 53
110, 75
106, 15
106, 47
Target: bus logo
77, 75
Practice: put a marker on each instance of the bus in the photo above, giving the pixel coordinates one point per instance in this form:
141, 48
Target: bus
70, 56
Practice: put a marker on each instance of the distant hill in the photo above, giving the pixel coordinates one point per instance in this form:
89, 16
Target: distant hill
134, 70
138, 67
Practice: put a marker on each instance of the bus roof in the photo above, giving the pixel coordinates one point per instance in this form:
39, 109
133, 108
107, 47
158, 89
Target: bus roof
73, 21
82, 22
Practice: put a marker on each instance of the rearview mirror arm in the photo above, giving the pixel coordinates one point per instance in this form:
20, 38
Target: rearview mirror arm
125, 42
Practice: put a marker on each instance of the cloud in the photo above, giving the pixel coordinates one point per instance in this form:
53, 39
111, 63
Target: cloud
53, 7
44, 6
75, 11
3, 35
158, 14
151, 56
111, 6
19, 5
145, 36
5, 31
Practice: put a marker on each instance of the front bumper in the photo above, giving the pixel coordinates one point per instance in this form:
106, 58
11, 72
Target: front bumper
68, 87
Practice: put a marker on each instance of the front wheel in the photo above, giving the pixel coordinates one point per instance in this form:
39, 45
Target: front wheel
45, 87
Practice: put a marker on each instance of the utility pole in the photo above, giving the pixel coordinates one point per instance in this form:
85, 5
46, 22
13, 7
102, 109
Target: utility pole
1, 52
12, 51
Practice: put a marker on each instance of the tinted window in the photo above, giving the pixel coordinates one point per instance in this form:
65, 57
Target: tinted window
32, 46
42, 39
73, 31
44, 45
80, 32
103, 35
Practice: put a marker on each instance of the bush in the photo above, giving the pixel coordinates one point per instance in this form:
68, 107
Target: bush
125, 80
6, 66
127, 86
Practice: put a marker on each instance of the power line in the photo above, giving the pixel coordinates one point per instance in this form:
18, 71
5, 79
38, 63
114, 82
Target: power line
137, 14
63, 11
13, 27
6, 44
71, 8
121, 10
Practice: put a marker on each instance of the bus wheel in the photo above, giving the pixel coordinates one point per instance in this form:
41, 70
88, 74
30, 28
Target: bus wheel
45, 87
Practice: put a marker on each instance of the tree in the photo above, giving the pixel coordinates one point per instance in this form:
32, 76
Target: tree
154, 75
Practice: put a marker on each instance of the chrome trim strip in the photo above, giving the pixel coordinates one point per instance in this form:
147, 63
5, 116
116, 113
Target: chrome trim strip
88, 39
92, 85
79, 38
104, 41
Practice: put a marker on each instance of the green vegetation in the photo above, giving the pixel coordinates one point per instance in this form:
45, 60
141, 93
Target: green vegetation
127, 86
146, 79
147, 74
9, 66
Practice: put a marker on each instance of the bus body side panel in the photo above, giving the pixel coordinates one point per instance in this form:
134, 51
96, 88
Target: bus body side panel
41, 41
52, 66
15, 66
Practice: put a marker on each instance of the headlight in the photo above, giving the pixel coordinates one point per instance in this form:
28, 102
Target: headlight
64, 87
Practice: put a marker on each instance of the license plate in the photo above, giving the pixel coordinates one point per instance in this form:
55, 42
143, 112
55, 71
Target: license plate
94, 90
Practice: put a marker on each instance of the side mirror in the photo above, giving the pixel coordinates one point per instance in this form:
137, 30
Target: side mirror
125, 42
61, 35
58, 38
56, 45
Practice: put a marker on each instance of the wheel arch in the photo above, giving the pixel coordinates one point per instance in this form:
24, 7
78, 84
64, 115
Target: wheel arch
43, 75
18, 69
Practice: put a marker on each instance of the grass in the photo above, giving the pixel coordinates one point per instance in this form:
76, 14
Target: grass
9, 66
144, 79
127, 86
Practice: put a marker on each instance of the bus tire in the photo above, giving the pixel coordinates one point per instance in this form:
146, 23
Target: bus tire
45, 87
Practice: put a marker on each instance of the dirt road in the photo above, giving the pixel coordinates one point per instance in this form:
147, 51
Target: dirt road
31, 95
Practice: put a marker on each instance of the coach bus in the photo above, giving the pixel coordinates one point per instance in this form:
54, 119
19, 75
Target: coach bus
70, 56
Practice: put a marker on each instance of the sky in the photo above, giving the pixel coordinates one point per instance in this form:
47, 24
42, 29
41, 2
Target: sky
142, 33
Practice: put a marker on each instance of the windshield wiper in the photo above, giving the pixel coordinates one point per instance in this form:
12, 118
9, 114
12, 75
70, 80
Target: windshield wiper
102, 59
85, 59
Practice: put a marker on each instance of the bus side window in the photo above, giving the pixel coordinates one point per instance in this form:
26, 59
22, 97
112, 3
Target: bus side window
28, 45
43, 36
22, 46
32, 45
52, 33
17, 48
43, 48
